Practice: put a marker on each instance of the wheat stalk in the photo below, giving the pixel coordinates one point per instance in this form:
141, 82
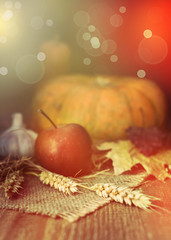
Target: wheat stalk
11, 177
12, 183
9, 165
124, 194
63, 184
59, 182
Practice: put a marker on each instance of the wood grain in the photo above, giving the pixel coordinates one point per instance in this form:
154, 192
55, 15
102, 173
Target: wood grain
113, 221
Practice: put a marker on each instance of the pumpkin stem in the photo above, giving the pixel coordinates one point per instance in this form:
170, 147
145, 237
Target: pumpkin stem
50, 120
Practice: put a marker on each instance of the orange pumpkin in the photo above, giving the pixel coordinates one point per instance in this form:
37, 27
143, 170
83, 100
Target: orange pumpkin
105, 105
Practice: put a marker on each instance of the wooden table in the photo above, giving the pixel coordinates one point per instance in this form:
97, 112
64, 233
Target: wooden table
113, 221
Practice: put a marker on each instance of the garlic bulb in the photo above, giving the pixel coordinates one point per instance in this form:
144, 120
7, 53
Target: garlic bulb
17, 140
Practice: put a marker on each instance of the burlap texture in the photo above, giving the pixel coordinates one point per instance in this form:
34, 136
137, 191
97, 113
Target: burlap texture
41, 199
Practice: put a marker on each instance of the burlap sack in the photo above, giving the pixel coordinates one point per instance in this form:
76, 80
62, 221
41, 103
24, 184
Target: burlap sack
35, 197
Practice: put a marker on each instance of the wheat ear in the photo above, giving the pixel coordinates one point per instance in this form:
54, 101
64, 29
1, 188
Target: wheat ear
12, 183
63, 184
124, 194
59, 182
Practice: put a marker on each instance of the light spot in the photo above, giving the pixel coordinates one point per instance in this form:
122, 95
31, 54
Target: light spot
153, 50
49, 22
87, 61
29, 70
86, 36
3, 71
80, 39
7, 15
122, 9
18, 5
100, 13
114, 58
141, 73
116, 20
91, 46
95, 42
8, 4
108, 46
37, 22
102, 81
81, 18
91, 28
41, 56
147, 33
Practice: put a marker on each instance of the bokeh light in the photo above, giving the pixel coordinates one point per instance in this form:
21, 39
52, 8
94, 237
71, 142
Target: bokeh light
29, 70
122, 9
8, 4
116, 20
153, 50
95, 42
41, 56
93, 49
91, 28
79, 37
114, 58
3, 71
108, 46
81, 18
49, 22
87, 61
147, 33
7, 15
9, 23
86, 36
100, 14
103, 37
141, 73
90, 42
17, 5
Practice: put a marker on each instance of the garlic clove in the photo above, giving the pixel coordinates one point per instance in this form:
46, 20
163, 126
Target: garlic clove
17, 140
32, 134
17, 122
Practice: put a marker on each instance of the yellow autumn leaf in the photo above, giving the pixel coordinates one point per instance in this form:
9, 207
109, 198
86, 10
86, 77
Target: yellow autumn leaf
155, 164
124, 156
120, 155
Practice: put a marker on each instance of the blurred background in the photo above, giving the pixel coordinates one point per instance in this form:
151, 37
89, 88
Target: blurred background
41, 39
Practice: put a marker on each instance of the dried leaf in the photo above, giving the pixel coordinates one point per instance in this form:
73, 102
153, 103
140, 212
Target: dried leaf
156, 165
124, 156
120, 155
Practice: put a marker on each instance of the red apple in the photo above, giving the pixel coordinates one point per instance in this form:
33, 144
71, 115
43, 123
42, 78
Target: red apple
65, 150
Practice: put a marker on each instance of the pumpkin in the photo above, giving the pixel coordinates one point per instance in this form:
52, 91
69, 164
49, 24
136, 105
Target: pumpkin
58, 57
105, 105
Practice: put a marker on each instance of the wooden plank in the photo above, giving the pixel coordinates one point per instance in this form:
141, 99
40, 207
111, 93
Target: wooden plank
113, 221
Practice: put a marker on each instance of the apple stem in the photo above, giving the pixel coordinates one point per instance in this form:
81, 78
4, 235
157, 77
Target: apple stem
50, 120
